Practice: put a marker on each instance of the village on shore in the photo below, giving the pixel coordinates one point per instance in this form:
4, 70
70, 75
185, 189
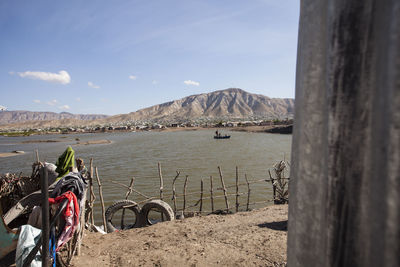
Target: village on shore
240, 125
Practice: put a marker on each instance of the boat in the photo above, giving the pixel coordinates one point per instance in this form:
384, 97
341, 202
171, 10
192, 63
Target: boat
219, 136
222, 136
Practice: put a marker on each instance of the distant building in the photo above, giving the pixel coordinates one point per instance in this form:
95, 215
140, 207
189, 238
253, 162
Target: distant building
3, 108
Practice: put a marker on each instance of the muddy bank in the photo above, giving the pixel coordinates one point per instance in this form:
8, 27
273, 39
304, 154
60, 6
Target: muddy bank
93, 142
11, 154
39, 141
255, 238
281, 129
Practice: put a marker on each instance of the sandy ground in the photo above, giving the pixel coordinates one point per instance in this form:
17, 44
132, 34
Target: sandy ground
255, 238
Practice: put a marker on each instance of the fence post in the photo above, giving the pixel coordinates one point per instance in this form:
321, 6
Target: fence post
212, 194
201, 196
224, 188
248, 192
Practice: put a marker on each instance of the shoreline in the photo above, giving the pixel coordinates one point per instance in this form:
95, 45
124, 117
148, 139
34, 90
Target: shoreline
250, 129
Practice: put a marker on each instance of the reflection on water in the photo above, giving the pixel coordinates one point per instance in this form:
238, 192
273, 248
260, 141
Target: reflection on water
135, 154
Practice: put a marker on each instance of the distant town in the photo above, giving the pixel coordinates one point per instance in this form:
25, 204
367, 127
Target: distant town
148, 126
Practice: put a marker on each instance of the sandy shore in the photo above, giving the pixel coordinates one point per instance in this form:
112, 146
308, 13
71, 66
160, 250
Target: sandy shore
11, 154
255, 238
93, 142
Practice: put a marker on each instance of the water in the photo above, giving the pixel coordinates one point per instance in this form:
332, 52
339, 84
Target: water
136, 154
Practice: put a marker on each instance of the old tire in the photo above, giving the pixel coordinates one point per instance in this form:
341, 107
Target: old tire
160, 206
119, 205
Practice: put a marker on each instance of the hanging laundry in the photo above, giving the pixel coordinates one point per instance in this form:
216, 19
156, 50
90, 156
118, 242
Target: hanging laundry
27, 240
73, 182
71, 217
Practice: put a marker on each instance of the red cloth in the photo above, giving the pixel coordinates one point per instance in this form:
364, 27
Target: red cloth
71, 197
71, 217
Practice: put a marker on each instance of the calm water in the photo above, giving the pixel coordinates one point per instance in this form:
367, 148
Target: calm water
193, 153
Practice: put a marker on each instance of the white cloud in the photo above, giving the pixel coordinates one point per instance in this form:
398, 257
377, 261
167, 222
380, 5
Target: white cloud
78, 99
52, 102
11, 72
154, 82
93, 85
132, 77
64, 107
36, 101
2, 108
60, 77
190, 82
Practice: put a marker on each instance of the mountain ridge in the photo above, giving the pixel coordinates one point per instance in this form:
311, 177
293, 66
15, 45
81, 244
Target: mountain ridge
231, 102
15, 116
226, 103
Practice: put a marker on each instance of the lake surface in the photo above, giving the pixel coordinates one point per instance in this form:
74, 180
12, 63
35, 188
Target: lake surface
136, 154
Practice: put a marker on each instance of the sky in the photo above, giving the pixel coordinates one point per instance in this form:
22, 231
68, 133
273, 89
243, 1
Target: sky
113, 57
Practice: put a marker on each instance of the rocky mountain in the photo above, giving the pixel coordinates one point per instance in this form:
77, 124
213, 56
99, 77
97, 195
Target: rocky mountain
19, 116
233, 102
228, 103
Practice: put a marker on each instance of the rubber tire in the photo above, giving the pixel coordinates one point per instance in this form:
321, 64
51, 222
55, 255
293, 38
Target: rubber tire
117, 206
156, 204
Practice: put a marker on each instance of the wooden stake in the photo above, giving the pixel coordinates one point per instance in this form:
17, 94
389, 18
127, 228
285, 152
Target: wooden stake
92, 196
184, 194
161, 187
101, 200
273, 185
45, 216
161, 181
237, 189
224, 188
201, 196
130, 188
126, 197
212, 194
81, 227
248, 192
37, 156
173, 190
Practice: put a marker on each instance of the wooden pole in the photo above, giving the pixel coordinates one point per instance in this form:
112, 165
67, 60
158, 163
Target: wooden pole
237, 189
201, 196
161, 181
126, 197
45, 217
184, 195
92, 196
101, 200
161, 187
273, 185
248, 192
81, 227
224, 188
212, 194
37, 156
174, 191
130, 188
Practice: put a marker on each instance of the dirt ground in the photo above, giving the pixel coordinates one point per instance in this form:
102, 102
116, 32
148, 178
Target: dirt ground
255, 238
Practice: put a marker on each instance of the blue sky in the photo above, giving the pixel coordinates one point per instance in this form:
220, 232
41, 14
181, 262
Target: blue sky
119, 56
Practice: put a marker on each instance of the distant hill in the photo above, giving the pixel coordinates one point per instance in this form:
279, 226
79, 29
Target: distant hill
19, 116
228, 103
233, 102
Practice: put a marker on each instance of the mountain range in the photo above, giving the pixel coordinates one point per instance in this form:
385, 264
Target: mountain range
228, 103
7, 117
